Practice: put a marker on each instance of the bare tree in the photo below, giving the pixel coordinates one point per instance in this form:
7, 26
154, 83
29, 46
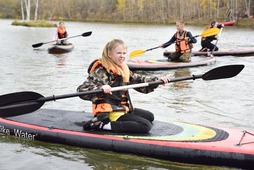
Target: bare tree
22, 10
248, 7
28, 6
36, 9
218, 9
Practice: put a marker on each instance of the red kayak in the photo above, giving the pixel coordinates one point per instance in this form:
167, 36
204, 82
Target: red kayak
228, 23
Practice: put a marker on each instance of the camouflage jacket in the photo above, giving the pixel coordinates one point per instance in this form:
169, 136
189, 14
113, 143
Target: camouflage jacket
100, 77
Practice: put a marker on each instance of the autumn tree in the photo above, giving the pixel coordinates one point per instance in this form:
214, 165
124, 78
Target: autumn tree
162, 11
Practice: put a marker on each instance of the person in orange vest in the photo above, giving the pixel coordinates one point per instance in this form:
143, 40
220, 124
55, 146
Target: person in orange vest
183, 44
114, 110
61, 32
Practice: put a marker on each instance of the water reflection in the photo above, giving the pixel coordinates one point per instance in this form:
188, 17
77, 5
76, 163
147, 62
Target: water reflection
181, 73
61, 59
65, 157
181, 89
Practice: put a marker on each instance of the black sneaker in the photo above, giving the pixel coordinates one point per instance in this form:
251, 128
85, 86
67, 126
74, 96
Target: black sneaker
97, 122
169, 58
96, 125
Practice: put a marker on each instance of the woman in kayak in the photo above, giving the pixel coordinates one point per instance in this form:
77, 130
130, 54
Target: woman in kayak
183, 43
206, 42
113, 110
61, 32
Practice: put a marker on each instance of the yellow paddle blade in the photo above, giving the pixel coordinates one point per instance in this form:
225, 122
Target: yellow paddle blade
210, 32
137, 53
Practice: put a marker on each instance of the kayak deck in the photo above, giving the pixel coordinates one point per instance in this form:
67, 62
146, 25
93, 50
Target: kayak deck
231, 52
59, 119
164, 64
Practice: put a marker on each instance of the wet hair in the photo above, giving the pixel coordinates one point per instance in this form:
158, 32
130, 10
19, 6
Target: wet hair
213, 23
110, 46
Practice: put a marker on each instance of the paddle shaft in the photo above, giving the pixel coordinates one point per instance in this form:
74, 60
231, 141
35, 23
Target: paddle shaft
152, 48
132, 86
84, 35
62, 39
216, 42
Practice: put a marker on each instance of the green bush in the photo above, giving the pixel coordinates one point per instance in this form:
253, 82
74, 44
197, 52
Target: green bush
39, 23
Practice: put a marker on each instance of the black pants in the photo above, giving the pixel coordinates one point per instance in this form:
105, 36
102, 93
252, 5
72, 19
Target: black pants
207, 44
138, 121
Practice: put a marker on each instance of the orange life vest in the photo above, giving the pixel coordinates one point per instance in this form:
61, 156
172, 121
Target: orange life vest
181, 44
118, 100
61, 32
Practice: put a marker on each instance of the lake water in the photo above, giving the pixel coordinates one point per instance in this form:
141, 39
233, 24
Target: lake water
224, 103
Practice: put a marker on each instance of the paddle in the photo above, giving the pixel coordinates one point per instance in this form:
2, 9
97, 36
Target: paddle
136, 53
206, 33
209, 32
83, 35
19, 103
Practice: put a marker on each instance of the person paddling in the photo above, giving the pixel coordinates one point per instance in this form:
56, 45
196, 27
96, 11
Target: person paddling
206, 42
114, 110
61, 32
183, 44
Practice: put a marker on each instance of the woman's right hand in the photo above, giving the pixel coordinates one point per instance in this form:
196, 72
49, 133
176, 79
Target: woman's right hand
106, 89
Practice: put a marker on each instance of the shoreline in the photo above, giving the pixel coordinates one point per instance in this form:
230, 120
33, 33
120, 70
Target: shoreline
241, 23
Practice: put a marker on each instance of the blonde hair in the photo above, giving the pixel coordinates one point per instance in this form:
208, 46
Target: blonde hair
106, 60
180, 22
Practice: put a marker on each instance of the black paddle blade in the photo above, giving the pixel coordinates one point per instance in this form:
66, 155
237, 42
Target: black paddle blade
37, 45
223, 72
87, 34
15, 104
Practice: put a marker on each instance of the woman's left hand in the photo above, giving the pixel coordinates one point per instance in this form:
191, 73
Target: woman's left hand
165, 79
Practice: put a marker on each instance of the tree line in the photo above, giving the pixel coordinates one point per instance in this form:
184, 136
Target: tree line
155, 11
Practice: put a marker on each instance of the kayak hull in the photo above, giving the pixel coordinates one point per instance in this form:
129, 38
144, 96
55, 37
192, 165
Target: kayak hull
228, 23
163, 64
233, 52
58, 49
174, 141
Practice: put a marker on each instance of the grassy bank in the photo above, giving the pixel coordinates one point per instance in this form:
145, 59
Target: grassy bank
247, 23
40, 23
